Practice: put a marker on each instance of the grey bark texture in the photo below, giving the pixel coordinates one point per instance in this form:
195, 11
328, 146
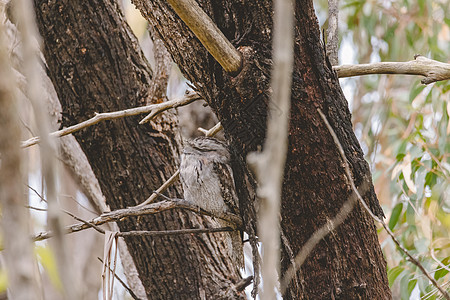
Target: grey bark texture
348, 263
96, 65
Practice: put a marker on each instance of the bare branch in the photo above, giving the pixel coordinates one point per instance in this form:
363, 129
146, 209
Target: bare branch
416, 262
174, 232
161, 189
130, 291
135, 211
332, 32
162, 67
208, 34
431, 69
213, 131
269, 165
153, 109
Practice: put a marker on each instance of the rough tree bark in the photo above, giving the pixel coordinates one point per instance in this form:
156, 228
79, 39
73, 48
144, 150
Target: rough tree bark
96, 65
348, 263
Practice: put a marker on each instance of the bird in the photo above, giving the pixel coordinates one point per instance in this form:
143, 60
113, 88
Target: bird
207, 179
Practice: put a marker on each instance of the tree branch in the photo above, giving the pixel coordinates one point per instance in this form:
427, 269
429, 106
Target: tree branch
332, 32
153, 109
431, 69
130, 291
208, 34
161, 69
135, 211
174, 232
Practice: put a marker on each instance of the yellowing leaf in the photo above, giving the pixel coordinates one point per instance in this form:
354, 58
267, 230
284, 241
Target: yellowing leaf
396, 170
448, 113
3, 281
47, 260
406, 170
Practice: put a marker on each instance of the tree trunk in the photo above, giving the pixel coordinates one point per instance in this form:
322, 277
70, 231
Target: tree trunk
96, 65
348, 263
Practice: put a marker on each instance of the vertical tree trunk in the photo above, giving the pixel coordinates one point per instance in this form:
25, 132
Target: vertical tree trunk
348, 263
18, 252
96, 65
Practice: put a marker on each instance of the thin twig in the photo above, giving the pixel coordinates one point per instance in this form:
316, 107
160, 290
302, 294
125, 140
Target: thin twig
433, 256
132, 294
161, 189
415, 262
154, 109
37, 193
173, 232
159, 108
35, 208
153, 208
213, 131
85, 222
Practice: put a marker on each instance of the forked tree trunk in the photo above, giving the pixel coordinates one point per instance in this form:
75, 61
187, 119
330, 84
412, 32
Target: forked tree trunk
96, 65
348, 263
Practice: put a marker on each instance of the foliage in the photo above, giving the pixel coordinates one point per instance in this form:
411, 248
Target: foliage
403, 127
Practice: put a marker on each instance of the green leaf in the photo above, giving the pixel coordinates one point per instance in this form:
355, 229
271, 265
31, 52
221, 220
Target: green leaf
442, 272
415, 92
406, 286
395, 215
393, 274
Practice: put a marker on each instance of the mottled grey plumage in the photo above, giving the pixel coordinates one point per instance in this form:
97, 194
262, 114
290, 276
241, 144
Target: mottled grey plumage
208, 182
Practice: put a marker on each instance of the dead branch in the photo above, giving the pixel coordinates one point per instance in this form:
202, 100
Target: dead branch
174, 232
153, 109
431, 69
208, 34
130, 291
161, 69
135, 211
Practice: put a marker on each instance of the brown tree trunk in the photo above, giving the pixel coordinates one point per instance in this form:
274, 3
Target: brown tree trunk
348, 263
96, 65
